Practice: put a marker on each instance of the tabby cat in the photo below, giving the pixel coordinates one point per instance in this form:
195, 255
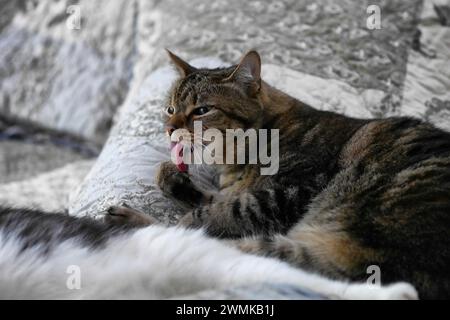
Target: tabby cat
349, 193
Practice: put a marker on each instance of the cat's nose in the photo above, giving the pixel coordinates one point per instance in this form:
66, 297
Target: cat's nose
170, 129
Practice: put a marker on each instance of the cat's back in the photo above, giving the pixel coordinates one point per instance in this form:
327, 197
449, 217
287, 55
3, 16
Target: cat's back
395, 144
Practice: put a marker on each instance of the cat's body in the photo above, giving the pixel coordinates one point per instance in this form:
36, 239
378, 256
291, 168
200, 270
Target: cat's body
349, 193
55, 256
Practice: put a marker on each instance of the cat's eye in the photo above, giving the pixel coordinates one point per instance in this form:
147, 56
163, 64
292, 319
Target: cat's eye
201, 110
170, 110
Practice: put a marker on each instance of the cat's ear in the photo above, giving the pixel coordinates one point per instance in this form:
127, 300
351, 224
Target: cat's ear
248, 71
182, 66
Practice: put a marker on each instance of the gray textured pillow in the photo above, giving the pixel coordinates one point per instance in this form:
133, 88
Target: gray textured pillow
126, 168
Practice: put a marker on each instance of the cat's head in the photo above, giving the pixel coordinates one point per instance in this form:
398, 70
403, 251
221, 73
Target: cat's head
223, 98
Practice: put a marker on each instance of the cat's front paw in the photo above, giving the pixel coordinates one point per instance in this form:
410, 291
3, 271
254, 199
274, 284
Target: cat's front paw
170, 180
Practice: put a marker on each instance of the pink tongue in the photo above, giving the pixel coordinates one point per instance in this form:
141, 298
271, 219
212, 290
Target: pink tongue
178, 149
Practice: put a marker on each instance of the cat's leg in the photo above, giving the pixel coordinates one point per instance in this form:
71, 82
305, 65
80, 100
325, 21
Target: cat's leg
126, 216
178, 186
247, 213
323, 248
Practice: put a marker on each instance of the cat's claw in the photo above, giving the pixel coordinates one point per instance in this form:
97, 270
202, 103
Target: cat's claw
126, 216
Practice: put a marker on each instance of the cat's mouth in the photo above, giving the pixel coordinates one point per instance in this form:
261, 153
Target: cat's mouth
180, 151
177, 149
